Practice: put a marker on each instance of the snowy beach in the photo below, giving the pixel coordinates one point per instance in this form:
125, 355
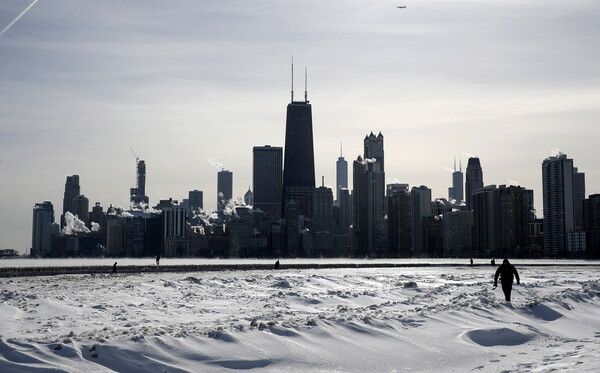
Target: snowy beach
419, 319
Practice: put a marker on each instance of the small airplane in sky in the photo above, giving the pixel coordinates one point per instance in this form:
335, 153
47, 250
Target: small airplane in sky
401, 6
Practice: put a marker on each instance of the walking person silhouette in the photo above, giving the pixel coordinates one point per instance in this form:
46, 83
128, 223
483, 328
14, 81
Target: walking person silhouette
506, 271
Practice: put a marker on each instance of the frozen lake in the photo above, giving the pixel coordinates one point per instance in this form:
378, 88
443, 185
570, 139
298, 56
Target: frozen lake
423, 319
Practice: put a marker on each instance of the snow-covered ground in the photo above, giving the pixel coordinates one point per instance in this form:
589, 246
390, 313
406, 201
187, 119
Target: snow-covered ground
442, 319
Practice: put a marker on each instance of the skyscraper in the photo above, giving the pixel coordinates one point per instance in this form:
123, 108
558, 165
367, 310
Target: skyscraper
558, 199
420, 209
80, 206
341, 175
298, 173
72, 190
138, 194
267, 177
196, 200
373, 147
474, 180
43, 220
370, 227
399, 220
224, 189
578, 197
456, 191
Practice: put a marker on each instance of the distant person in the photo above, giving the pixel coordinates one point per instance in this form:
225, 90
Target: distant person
493, 262
277, 264
506, 271
157, 258
114, 268
471, 262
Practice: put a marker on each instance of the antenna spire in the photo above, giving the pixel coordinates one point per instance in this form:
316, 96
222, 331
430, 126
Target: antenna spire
322, 181
454, 164
305, 85
292, 78
341, 153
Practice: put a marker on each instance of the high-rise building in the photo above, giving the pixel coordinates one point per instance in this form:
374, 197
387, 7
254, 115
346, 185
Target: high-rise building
487, 227
43, 221
224, 189
455, 192
267, 177
474, 180
420, 209
399, 220
578, 197
370, 227
80, 206
514, 215
298, 174
138, 194
373, 146
591, 215
173, 228
72, 190
558, 196
341, 175
530, 205
322, 222
196, 200
458, 226
249, 198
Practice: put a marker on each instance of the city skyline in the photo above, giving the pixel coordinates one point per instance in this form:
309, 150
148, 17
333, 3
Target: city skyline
154, 80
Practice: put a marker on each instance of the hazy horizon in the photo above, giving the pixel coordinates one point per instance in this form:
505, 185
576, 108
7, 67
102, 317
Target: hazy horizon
189, 86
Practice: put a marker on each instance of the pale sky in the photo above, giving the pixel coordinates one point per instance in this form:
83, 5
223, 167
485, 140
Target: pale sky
186, 83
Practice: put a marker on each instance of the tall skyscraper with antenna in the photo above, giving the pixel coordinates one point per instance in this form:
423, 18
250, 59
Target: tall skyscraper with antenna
298, 173
456, 191
341, 174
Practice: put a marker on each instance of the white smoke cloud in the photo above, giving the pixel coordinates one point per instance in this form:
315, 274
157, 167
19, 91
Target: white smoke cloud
512, 182
446, 168
73, 225
369, 160
556, 152
469, 155
218, 165
95, 227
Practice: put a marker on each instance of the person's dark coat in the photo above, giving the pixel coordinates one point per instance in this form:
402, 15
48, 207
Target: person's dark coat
507, 273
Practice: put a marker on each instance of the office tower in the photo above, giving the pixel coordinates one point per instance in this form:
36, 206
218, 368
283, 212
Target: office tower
267, 177
138, 194
455, 193
43, 221
341, 175
80, 206
72, 190
399, 220
249, 198
558, 199
99, 217
224, 189
420, 209
514, 217
530, 205
486, 222
578, 197
370, 227
196, 200
322, 222
173, 228
345, 211
591, 215
474, 180
298, 173
373, 147
458, 232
